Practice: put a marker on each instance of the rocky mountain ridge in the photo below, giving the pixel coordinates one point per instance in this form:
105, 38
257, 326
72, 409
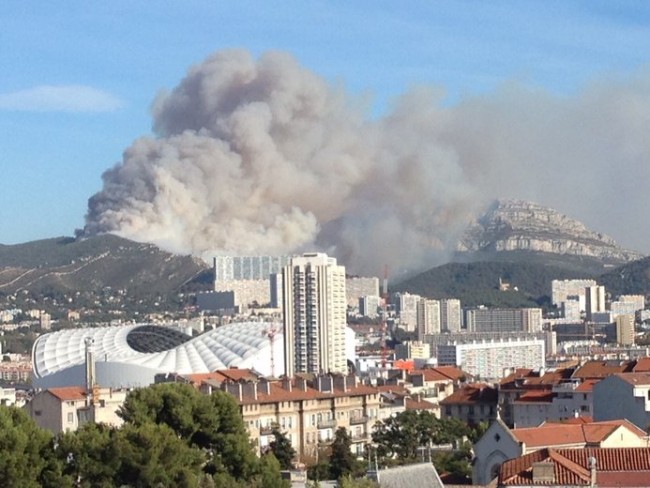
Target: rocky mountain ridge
516, 225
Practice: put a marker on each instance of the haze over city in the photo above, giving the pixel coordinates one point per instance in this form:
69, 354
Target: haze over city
244, 128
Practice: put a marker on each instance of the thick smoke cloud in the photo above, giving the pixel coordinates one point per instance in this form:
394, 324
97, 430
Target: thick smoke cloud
264, 157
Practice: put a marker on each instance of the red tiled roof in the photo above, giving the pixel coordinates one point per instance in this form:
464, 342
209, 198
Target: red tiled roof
635, 379
280, 394
583, 419
602, 369
221, 375
413, 403
430, 375
531, 379
395, 389
235, 374
451, 372
642, 365
614, 467
586, 386
68, 393
551, 434
536, 396
472, 394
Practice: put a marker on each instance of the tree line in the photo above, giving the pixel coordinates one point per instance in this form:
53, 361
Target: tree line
172, 436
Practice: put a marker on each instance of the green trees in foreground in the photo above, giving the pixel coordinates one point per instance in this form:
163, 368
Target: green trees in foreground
172, 436
407, 436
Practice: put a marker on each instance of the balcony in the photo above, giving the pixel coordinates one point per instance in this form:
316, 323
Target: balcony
362, 437
266, 430
326, 424
358, 420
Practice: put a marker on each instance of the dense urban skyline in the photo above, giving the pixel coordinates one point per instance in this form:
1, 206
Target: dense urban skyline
558, 89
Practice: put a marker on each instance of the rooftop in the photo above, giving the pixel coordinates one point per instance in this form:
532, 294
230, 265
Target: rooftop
472, 394
614, 467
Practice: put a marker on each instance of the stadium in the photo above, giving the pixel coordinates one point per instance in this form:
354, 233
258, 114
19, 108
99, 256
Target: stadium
131, 356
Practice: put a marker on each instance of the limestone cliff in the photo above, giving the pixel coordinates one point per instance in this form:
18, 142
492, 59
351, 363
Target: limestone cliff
515, 225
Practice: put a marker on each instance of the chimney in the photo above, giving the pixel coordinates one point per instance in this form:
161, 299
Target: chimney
324, 382
592, 471
543, 473
249, 389
234, 389
286, 383
340, 382
265, 386
301, 383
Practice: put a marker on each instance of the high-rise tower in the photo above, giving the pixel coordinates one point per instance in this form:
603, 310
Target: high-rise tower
314, 315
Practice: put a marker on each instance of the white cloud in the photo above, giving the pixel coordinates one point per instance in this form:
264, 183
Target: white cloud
60, 98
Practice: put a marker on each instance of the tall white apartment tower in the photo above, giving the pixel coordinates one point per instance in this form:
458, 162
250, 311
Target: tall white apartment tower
450, 315
314, 315
428, 318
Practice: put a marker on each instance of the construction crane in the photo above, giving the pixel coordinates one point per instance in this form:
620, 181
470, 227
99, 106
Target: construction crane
270, 333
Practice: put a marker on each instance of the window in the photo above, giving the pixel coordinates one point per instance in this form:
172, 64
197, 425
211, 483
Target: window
70, 417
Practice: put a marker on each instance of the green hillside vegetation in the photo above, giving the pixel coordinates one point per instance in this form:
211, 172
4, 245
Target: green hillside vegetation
478, 283
630, 279
92, 264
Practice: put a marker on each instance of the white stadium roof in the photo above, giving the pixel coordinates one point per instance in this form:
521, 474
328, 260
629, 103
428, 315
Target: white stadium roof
132, 355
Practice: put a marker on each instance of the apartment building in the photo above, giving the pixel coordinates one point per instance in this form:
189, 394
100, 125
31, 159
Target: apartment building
451, 316
428, 317
503, 319
314, 314
489, 359
359, 286
473, 403
308, 411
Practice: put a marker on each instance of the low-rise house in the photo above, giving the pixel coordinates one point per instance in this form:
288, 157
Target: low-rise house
593, 467
500, 443
473, 404
67, 408
624, 395
597, 369
435, 384
565, 400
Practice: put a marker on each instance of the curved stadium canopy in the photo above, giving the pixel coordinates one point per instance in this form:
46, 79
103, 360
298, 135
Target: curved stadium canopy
127, 356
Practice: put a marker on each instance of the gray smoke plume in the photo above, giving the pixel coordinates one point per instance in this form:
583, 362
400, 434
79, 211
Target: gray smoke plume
264, 157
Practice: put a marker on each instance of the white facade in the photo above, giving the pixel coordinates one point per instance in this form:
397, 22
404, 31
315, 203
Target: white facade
359, 286
625, 329
407, 307
58, 358
235, 268
428, 317
503, 319
451, 315
369, 306
314, 311
563, 290
488, 360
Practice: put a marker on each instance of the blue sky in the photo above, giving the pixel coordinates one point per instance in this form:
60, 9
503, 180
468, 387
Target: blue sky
78, 78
